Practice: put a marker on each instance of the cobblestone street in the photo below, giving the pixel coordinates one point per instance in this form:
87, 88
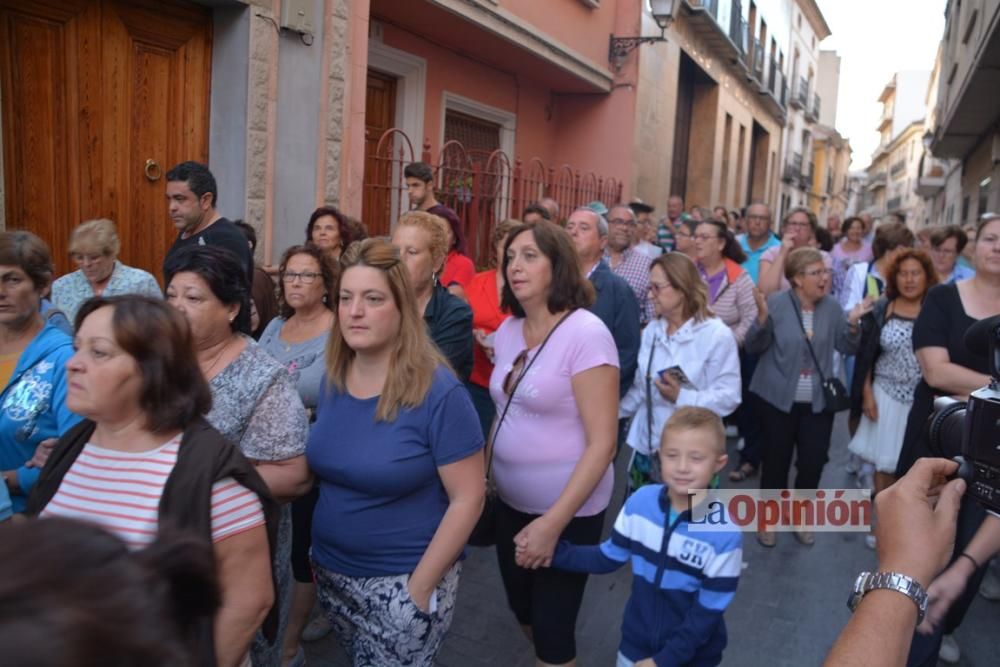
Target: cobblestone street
789, 609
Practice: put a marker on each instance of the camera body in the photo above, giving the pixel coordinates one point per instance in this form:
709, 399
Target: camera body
969, 432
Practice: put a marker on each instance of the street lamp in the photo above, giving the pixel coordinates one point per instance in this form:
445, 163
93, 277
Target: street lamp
928, 139
620, 47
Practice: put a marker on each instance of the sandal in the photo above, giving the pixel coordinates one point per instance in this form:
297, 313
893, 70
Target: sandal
744, 472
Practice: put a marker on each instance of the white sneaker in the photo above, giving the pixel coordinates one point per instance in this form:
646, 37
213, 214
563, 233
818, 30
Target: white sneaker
866, 476
732, 431
990, 588
318, 628
949, 652
870, 540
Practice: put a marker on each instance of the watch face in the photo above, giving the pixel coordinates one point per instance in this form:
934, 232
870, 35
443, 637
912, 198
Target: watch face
853, 599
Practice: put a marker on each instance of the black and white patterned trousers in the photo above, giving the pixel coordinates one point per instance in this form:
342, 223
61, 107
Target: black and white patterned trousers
377, 622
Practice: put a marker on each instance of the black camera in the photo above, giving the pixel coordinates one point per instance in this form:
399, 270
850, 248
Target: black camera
969, 432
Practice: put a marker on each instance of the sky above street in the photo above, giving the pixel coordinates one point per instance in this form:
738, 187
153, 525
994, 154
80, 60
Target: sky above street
876, 38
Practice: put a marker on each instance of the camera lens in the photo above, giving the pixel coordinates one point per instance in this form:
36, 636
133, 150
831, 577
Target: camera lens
944, 427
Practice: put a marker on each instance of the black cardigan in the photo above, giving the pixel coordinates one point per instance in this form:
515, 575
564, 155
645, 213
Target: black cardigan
868, 352
204, 458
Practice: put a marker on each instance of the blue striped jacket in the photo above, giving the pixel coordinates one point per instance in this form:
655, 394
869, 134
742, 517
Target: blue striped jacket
682, 580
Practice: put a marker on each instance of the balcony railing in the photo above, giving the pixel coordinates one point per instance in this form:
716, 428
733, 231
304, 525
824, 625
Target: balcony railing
758, 61
806, 179
724, 34
800, 96
737, 26
793, 168
813, 112
877, 180
710, 6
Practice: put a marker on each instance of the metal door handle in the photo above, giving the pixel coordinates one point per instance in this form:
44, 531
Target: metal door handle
152, 170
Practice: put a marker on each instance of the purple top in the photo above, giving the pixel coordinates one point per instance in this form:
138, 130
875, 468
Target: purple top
714, 282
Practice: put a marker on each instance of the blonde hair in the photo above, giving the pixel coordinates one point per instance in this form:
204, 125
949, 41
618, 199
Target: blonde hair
414, 357
690, 418
99, 234
437, 229
684, 277
799, 259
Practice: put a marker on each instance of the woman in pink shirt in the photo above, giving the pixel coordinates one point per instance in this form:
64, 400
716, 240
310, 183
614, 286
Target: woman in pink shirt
551, 459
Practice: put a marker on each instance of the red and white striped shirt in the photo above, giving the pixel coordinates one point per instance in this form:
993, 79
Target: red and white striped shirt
121, 491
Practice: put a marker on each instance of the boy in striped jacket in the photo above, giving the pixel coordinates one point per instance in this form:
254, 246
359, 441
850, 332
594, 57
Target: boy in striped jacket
682, 579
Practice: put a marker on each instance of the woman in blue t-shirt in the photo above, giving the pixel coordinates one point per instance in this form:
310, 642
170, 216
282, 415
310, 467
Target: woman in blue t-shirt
397, 451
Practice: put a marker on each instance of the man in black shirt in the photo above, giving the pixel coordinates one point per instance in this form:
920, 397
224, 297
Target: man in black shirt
191, 200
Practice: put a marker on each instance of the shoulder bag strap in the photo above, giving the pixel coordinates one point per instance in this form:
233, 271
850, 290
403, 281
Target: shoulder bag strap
653, 459
806, 336
513, 390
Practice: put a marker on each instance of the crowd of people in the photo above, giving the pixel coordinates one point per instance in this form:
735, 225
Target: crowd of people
338, 428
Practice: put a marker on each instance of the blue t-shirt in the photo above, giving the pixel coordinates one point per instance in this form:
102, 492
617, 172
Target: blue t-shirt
752, 263
380, 497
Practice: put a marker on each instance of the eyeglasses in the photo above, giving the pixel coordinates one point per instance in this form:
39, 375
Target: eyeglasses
705, 237
815, 273
622, 221
81, 258
656, 288
797, 224
514, 374
681, 232
307, 277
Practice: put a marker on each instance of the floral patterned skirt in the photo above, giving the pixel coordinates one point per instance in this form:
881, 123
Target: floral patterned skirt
377, 622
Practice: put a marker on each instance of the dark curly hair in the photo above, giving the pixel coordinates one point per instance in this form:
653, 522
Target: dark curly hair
343, 224
891, 273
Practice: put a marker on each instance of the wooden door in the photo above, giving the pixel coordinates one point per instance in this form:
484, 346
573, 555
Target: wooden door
93, 91
380, 115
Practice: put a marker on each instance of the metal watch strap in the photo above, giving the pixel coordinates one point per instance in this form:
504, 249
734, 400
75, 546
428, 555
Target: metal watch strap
893, 581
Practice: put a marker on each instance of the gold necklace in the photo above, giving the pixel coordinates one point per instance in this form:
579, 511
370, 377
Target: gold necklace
217, 357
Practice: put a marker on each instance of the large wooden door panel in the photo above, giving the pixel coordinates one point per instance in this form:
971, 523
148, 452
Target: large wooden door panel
380, 112
92, 90
158, 66
40, 80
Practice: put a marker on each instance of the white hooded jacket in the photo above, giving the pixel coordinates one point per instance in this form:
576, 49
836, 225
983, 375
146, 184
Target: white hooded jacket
708, 355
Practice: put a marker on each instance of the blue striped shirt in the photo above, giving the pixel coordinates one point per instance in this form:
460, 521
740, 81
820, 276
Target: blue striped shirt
682, 580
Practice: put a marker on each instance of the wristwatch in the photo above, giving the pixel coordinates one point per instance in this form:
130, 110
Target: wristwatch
893, 581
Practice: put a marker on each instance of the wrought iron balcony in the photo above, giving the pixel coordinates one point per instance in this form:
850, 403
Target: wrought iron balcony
758, 61
793, 168
877, 180
800, 96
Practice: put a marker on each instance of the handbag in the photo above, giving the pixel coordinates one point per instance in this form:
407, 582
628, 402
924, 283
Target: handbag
484, 534
835, 395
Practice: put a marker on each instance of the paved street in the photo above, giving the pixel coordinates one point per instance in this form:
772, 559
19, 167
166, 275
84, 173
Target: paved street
788, 611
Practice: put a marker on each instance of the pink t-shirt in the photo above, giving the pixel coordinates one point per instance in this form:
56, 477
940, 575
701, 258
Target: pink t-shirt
542, 438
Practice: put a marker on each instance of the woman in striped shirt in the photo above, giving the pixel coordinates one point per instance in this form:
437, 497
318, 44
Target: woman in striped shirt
145, 457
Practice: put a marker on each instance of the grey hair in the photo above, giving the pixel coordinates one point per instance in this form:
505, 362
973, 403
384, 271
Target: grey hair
602, 222
628, 208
